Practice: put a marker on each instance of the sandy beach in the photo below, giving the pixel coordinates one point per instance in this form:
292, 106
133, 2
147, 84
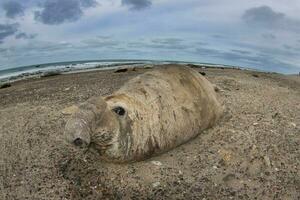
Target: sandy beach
252, 153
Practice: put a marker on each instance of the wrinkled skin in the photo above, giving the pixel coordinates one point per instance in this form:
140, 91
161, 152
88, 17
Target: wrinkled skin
150, 114
95, 125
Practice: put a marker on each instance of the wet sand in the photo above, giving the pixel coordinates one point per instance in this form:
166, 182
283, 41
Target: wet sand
253, 153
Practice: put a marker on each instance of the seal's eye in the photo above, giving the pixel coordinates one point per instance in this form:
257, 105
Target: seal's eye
119, 110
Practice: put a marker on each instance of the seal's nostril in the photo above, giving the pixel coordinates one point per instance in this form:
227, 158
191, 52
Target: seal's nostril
78, 141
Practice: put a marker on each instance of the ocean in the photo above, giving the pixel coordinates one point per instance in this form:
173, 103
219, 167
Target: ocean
18, 73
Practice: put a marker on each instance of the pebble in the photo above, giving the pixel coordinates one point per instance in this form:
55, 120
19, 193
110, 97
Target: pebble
267, 160
293, 124
156, 184
157, 163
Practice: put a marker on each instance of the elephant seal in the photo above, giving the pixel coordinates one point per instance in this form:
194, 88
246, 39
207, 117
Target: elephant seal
150, 114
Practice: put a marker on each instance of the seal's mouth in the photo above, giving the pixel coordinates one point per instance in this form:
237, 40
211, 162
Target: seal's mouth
98, 149
103, 140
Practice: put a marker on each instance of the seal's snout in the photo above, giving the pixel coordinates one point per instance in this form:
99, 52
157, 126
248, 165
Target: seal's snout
77, 133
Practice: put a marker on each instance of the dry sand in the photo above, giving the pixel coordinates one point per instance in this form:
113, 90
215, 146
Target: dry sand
253, 153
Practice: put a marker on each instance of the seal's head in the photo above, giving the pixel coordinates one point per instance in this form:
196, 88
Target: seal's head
100, 126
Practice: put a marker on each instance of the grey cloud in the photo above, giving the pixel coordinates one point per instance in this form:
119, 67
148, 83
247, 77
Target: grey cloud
25, 36
167, 41
207, 52
104, 37
59, 11
88, 3
7, 30
269, 36
56, 12
13, 9
137, 4
240, 51
202, 43
135, 44
287, 46
168, 46
99, 42
291, 48
260, 61
265, 17
217, 36
160, 43
267, 50
45, 47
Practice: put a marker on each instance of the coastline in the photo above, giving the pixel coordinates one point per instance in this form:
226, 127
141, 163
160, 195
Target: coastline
43, 70
64, 70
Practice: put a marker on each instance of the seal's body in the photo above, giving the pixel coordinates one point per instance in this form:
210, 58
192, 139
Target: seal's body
152, 113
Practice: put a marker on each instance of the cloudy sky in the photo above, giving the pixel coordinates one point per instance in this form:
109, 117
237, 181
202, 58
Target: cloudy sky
262, 34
